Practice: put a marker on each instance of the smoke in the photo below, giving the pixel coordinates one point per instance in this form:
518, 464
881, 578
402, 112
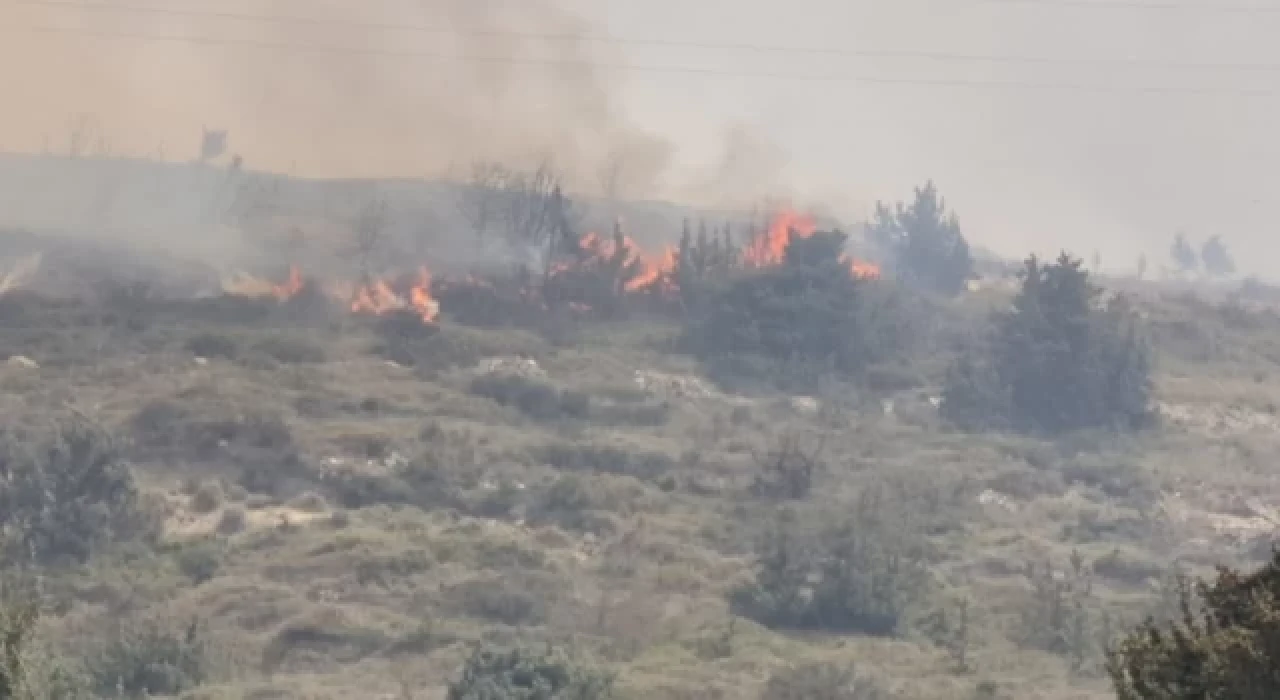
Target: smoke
379, 101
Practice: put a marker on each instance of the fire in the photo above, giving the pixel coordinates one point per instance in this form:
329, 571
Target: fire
626, 268
769, 247
374, 297
248, 286
379, 297
640, 271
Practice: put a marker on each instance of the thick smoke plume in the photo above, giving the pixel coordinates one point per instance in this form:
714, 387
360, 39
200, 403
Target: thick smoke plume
384, 99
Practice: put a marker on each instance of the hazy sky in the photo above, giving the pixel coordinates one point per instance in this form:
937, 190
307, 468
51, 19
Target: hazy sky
1084, 155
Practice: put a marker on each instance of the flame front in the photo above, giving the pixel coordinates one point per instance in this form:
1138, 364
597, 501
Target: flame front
769, 247
379, 297
632, 271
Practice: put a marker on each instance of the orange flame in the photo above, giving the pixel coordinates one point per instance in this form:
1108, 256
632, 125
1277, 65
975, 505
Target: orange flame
379, 297
769, 247
864, 270
647, 272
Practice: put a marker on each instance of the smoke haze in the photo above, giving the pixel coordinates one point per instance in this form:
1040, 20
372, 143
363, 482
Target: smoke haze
1043, 165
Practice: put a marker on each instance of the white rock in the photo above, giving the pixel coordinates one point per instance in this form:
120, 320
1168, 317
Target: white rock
22, 361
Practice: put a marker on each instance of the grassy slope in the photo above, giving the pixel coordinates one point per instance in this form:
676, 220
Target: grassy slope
624, 555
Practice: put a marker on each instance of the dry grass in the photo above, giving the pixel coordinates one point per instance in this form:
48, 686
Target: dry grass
349, 524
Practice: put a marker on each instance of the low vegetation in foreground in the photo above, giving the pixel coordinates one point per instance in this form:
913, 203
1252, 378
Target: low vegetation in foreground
792, 480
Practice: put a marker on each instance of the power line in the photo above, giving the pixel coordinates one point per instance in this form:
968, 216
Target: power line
1129, 5
669, 43
686, 70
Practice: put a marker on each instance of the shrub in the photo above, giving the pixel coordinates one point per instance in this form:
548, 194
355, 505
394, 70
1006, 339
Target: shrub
501, 601
1062, 617
149, 659
520, 674
17, 622
199, 561
796, 323
787, 470
1225, 644
290, 349
860, 576
606, 459
821, 681
536, 399
566, 502
68, 494
213, 345
1058, 362
207, 498
923, 243
233, 520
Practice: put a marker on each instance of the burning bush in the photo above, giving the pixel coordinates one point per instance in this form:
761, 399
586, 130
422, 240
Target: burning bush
799, 321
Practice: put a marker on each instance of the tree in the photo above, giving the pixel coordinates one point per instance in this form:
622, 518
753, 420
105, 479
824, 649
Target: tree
526, 208
1059, 361
923, 243
1224, 645
1216, 258
1184, 256
797, 323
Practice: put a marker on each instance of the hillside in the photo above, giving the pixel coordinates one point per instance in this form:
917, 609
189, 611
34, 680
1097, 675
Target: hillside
349, 503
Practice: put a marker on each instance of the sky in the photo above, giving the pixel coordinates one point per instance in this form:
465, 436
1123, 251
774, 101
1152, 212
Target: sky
1099, 128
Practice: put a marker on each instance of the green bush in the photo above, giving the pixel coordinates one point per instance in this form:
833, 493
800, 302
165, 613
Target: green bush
67, 494
606, 459
1059, 362
149, 659
860, 576
536, 399
796, 324
520, 674
1224, 644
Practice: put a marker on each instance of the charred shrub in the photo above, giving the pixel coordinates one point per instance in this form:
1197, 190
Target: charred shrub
520, 674
1060, 361
795, 324
68, 493
787, 470
536, 399
861, 576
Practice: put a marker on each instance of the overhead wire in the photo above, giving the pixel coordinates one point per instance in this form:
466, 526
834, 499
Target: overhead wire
681, 70
655, 42
663, 69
